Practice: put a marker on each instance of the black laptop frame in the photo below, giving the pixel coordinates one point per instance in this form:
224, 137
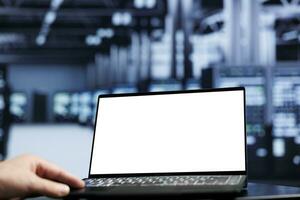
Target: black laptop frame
171, 173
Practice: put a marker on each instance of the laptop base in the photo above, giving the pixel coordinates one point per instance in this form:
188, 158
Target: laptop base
156, 191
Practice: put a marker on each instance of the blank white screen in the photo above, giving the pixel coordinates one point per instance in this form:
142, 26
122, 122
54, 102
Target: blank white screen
190, 132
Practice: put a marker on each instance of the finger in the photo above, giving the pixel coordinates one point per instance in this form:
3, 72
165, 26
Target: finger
49, 188
51, 171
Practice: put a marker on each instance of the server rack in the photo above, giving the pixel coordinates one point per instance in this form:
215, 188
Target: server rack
286, 121
5, 119
253, 78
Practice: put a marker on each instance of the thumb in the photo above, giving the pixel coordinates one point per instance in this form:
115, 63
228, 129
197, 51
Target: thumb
49, 188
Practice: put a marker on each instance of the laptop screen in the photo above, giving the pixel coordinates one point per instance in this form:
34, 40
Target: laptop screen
200, 131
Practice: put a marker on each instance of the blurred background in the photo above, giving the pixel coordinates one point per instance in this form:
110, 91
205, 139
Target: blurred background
57, 56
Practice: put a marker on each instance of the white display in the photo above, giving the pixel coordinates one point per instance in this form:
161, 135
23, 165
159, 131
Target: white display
186, 132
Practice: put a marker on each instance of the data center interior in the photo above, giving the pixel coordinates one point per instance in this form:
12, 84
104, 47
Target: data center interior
57, 56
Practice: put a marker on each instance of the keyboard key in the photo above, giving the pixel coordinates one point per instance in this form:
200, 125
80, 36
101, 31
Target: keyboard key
163, 181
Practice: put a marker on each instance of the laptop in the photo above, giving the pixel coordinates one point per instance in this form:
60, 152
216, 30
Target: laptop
168, 143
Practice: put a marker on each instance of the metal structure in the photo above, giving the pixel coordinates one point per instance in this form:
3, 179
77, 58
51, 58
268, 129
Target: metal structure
59, 30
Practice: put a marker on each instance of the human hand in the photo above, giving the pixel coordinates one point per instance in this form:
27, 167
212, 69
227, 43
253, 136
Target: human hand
29, 175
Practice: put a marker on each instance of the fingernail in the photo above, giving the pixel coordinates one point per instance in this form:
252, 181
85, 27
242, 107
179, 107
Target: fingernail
64, 190
82, 183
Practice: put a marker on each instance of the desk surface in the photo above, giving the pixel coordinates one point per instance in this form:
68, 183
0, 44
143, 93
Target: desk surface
268, 191
256, 191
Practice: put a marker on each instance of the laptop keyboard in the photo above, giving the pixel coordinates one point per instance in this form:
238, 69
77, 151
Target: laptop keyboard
163, 181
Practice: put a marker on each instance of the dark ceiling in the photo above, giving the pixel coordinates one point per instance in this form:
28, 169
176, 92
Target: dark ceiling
22, 21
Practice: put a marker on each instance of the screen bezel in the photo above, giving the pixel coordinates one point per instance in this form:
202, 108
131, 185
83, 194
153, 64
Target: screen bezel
172, 173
